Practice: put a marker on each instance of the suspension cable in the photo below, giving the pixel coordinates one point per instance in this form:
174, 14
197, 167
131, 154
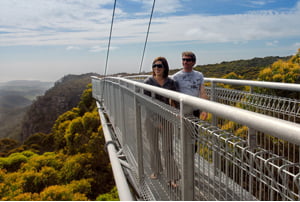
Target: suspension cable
108, 46
147, 37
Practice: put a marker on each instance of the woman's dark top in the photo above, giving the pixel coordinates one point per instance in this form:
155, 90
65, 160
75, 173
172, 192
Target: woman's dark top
169, 84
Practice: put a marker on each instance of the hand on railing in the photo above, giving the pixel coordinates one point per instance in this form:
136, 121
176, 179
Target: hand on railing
203, 116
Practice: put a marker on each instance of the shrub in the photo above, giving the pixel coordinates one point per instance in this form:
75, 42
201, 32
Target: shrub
48, 159
82, 186
77, 167
111, 196
61, 193
28, 196
13, 162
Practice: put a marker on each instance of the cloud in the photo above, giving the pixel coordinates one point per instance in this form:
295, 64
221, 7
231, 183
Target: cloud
80, 22
297, 45
97, 49
165, 6
101, 48
231, 28
258, 2
71, 48
272, 43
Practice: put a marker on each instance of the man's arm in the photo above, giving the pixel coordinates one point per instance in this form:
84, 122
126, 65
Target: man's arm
203, 93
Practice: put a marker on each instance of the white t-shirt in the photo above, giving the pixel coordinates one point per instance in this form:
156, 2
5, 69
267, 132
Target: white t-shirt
189, 82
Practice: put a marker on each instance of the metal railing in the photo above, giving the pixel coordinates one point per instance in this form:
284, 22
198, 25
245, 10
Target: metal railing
241, 154
252, 99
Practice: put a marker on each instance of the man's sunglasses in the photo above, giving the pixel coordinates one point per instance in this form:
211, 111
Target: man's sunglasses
157, 65
187, 59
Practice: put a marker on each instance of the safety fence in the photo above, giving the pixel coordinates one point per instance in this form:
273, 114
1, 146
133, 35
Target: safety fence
248, 149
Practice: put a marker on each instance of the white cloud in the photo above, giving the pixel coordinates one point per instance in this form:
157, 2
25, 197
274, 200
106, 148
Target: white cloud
71, 48
161, 6
80, 22
272, 43
101, 48
297, 45
258, 2
229, 28
97, 49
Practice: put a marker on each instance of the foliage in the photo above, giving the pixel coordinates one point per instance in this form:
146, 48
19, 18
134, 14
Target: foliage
111, 196
69, 163
48, 159
6, 145
87, 102
232, 75
248, 69
14, 161
77, 167
296, 57
61, 193
282, 71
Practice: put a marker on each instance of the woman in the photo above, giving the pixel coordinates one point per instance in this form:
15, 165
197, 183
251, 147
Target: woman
158, 127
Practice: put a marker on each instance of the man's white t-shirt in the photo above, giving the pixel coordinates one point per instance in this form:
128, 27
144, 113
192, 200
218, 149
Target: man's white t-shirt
189, 82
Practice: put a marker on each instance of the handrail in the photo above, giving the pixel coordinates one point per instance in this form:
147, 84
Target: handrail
274, 85
120, 179
263, 123
264, 84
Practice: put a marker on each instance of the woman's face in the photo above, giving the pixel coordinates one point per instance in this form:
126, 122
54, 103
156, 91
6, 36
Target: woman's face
158, 68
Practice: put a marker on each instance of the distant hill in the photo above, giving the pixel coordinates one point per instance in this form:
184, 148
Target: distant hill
12, 101
26, 88
249, 69
45, 109
15, 97
27, 83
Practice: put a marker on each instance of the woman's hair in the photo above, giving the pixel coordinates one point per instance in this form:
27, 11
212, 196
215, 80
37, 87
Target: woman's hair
189, 54
164, 63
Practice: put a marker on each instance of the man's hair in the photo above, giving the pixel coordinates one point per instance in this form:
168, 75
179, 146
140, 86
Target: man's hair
164, 63
189, 54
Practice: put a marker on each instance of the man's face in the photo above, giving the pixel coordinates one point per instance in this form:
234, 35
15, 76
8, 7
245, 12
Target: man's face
187, 63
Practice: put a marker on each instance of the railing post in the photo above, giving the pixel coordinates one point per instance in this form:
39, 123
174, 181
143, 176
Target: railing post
213, 98
138, 135
252, 140
216, 156
187, 159
251, 89
122, 114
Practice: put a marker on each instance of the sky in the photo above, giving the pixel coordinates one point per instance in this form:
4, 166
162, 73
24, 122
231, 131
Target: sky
48, 39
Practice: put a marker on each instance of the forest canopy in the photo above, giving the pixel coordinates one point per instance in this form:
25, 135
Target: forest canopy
69, 163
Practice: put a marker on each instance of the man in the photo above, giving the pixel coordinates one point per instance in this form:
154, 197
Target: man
191, 82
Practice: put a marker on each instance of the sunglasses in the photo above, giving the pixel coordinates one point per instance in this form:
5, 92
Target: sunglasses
157, 65
187, 59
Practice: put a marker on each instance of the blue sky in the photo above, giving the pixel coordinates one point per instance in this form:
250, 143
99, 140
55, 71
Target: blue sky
47, 39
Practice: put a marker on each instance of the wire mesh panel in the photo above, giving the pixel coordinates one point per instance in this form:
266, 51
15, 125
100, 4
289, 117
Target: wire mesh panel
161, 150
271, 105
233, 171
